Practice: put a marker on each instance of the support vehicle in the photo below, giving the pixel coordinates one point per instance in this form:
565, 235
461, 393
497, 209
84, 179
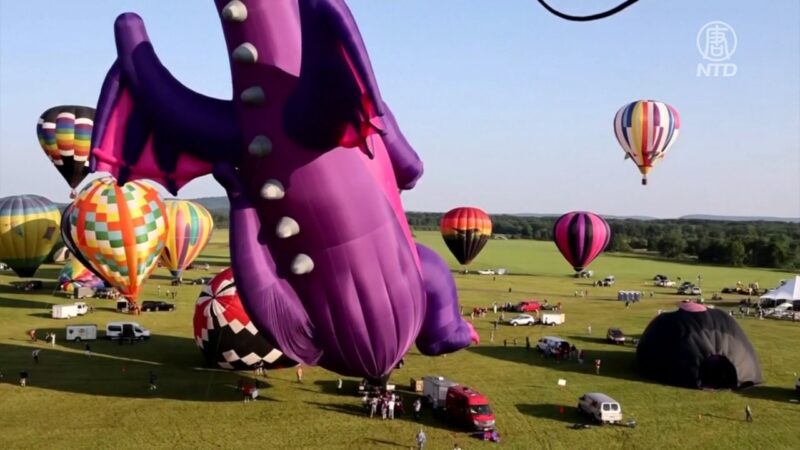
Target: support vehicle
79, 333
553, 318
601, 407
65, 311
126, 330
459, 404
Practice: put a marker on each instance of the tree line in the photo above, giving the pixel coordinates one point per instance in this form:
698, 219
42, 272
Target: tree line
755, 243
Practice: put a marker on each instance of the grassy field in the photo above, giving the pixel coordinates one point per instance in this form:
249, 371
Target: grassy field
102, 402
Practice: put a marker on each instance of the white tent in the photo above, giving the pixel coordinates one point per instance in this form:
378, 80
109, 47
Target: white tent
789, 291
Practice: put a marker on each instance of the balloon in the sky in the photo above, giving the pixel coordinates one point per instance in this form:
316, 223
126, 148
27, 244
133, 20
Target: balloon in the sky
581, 236
74, 275
120, 231
646, 129
28, 232
65, 134
465, 231
224, 332
190, 227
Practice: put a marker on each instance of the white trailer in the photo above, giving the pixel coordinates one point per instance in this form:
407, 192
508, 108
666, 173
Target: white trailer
65, 311
552, 318
79, 333
434, 389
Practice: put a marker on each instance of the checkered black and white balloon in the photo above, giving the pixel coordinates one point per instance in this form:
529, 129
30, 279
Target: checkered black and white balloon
224, 332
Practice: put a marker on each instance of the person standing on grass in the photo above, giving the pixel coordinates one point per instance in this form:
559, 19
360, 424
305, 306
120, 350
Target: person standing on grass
23, 378
339, 385
373, 407
417, 409
35, 355
299, 374
589, 329
87, 350
390, 405
597, 366
152, 381
748, 413
421, 439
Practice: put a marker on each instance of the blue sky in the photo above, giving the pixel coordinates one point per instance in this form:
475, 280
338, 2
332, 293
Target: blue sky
510, 107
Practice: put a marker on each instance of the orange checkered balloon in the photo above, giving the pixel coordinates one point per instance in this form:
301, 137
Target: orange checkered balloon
120, 230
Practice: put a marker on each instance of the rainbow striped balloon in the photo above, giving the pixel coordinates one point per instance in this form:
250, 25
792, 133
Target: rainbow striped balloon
28, 231
190, 228
580, 237
65, 134
120, 231
646, 129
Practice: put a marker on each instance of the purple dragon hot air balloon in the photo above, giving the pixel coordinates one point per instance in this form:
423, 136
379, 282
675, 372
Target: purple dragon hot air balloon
312, 161
580, 237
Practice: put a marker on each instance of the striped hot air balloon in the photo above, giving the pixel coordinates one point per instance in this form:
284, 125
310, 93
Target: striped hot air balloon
646, 129
190, 227
28, 231
120, 231
65, 134
580, 237
465, 231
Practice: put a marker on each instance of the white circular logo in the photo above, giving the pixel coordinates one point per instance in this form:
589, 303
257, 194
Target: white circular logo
716, 41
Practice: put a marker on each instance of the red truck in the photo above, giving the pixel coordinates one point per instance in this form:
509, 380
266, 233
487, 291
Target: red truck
469, 408
457, 403
528, 306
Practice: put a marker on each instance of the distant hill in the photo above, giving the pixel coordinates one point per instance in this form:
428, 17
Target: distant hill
220, 204
739, 218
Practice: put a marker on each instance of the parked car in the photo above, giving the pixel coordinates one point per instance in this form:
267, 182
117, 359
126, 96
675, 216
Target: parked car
584, 274
157, 305
522, 319
608, 281
548, 343
615, 335
689, 289
660, 277
202, 280
126, 330
528, 306
601, 407
664, 283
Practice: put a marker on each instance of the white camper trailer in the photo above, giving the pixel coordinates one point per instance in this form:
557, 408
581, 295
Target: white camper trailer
65, 311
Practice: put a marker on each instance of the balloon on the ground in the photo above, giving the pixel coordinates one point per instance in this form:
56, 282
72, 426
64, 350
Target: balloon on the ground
65, 135
120, 231
28, 231
225, 334
698, 347
466, 230
646, 129
581, 236
190, 227
74, 275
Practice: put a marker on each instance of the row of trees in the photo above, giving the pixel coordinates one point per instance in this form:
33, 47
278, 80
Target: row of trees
759, 244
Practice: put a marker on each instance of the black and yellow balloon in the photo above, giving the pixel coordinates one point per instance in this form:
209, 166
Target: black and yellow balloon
29, 228
466, 230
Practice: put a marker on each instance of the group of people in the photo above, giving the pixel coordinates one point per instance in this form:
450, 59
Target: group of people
387, 403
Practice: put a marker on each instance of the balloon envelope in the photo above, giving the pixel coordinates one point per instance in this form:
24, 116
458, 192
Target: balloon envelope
190, 227
65, 135
28, 231
465, 231
120, 231
580, 237
224, 333
75, 274
646, 129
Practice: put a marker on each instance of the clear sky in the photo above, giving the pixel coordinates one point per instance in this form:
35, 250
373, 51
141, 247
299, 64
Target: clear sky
510, 107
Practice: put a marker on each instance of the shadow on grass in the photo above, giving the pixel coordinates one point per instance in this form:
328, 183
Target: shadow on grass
778, 394
561, 413
14, 303
115, 370
344, 408
614, 364
385, 442
349, 387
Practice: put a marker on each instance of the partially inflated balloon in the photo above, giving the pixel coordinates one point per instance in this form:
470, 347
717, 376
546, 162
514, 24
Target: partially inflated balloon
120, 231
465, 231
581, 236
28, 232
224, 332
190, 227
74, 274
65, 134
646, 129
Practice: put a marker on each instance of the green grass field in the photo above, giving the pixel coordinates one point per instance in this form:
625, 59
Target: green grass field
102, 402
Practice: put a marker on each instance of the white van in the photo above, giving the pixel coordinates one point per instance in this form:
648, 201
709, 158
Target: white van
553, 318
549, 343
601, 407
65, 311
79, 333
126, 330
